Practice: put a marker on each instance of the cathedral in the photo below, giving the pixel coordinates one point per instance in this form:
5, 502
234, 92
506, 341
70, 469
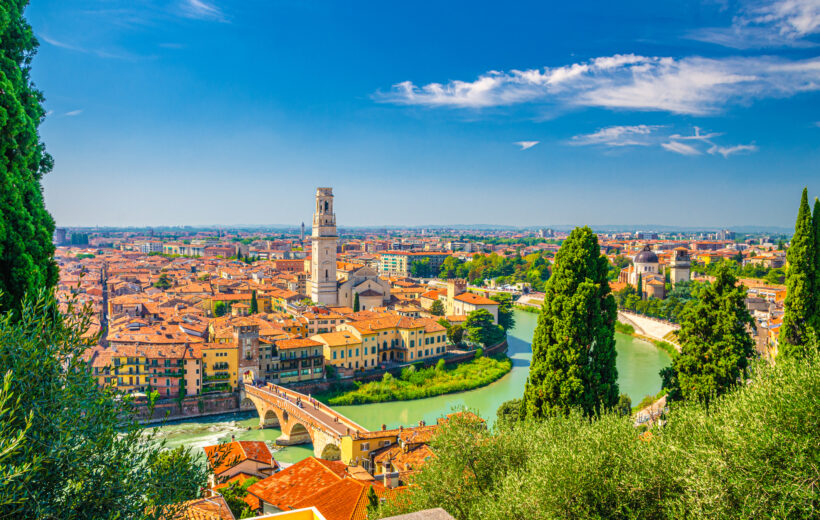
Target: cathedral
324, 286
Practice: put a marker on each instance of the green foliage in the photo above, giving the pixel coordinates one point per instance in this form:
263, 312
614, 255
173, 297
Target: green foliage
624, 406
767, 274
421, 268
506, 317
480, 328
532, 269
356, 303
455, 334
79, 239
420, 383
437, 308
254, 304
87, 455
440, 365
624, 328
815, 222
509, 411
13, 429
715, 343
235, 493
669, 309
162, 282
573, 349
753, 454
801, 300
219, 309
479, 352
83, 256
26, 228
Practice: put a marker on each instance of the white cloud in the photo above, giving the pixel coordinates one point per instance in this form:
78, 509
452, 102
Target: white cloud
526, 144
681, 148
636, 135
765, 23
694, 85
73, 113
202, 9
697, 136
726, 151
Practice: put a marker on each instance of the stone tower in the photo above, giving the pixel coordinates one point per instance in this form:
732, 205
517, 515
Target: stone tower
679, 266
246, 337
323, 286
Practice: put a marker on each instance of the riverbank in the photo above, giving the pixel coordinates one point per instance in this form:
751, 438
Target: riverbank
625, 328
422, 383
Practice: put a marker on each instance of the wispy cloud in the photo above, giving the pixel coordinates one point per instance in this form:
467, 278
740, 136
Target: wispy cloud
681, 148
726, 151
653, 135
765, 23
637, 135
695, 85
202, 10
73, 113
525, 145
101, 53
697, 136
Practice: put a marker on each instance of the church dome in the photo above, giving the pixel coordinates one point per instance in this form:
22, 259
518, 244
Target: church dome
647, 256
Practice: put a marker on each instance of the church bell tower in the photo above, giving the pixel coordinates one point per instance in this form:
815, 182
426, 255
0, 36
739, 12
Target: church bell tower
323, 286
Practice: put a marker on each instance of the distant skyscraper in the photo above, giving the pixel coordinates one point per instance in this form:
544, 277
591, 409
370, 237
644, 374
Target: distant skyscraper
302, 234
323, 286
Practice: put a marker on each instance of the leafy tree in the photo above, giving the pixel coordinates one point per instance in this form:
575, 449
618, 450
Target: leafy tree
162, 282
86, 453
437, 309
573, 361
455, 334
480, 328
235, 493
356, 303
509, 411
26, 228
624, 406
421, 268
220, 309
506, 317
254, 303
799, 305
715, 343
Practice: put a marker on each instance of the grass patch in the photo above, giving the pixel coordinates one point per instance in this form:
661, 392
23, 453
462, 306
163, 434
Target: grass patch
624, 328
527, 308
420, 383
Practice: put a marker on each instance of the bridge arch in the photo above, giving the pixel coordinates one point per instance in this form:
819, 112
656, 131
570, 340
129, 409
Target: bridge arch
331, 452
270, 419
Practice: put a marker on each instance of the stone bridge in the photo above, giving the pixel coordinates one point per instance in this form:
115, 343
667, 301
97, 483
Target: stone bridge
309, 421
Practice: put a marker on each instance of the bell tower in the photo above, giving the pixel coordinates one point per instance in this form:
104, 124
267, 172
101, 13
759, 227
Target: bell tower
323, 285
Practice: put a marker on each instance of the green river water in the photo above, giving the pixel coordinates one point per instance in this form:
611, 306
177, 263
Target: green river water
638, 365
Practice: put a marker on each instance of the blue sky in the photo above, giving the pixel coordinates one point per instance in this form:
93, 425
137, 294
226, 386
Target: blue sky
523, 113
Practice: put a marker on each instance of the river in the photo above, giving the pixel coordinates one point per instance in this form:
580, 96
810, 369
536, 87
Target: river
638, 365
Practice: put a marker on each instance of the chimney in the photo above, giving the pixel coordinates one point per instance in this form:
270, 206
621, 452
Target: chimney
233, 438
384, 427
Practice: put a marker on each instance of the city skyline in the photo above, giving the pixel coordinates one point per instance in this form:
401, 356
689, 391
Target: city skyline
693, 115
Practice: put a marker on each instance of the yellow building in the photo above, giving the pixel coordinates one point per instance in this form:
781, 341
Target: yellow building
220, 362
344, 350
398, 338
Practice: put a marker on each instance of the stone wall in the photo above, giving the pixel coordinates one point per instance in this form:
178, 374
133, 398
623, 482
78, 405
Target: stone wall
193, 406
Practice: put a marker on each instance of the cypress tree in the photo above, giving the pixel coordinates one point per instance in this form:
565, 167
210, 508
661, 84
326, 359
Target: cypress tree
573, 348
356, 303
715, 342
816, 288
799, 305
26, 228
254, 303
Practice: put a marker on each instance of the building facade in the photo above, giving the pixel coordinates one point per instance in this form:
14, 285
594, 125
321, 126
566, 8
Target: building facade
323, 286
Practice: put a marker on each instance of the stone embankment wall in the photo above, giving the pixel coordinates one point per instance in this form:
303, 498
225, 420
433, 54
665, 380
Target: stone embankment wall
194, 406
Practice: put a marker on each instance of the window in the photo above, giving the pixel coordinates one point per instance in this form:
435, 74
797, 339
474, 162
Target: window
334, 354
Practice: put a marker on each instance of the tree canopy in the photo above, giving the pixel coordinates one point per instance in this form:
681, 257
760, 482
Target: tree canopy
480, 328
800, 304
573, 348
26, 228
715, 342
